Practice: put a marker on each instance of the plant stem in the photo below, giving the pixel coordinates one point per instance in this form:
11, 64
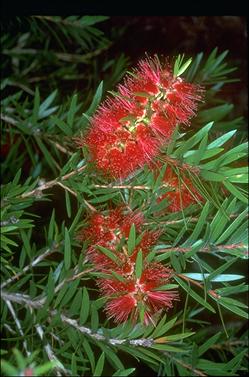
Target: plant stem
37, 260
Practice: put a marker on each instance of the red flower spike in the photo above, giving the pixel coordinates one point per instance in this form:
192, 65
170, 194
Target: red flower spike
108, 231
120, 308
129, 129
126, 293
124, 297
182, 193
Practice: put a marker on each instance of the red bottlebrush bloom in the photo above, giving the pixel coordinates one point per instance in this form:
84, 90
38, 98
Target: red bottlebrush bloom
182, 192
128, 130
125, 297
108, 231
108, 227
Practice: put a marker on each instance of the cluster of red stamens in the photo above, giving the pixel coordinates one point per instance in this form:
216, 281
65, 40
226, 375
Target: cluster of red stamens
126, 293
181, 192
129, 129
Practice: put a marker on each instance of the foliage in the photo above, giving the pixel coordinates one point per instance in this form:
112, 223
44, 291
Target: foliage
52, 317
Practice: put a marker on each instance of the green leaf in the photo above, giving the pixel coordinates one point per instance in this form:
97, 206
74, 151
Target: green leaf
104, 198
188, 144
76, 303
111, 356
166, 287
221, 269
235, 191
76, 220
72, 288
63, 126
17, 177
85, 306
44, 110
199, 226
175, 337
19, 358
212, 176
94, 317
193, 294
209, 343
26, 242
118, 276
67, 250
179, 67
162, 328
198, 155
50, 287
219, 278
9, 369
74, 365
100, 365
221, 219
109, 254
68, 204
232, 290
36, 106
51, 228
167, 348
230, 230
223, 301
215, 113
49, 158
123, 372
159, 178
89, 353
131, 239
222, 139
194, 67
96, 100
41, 370
139, 264
233, 302
72, 110
234, 363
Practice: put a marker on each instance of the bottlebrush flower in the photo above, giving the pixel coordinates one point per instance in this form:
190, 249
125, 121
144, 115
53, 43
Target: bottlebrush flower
126, 297
182, 191
129, 129
110, 231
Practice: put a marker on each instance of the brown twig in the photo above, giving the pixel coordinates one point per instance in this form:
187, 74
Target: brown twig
141, 187
52, 183
18, 325
204, 249
37, 260
37, 304
187, 366
37, 191
60, 147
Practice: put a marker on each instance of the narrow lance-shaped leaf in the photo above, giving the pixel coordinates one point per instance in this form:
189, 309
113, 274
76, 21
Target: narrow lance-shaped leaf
193, 294
132, 239
96, 100
68, 204
109, 254
139, 264
67, 250
85, 305
219, 278
173, 338
99, 366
